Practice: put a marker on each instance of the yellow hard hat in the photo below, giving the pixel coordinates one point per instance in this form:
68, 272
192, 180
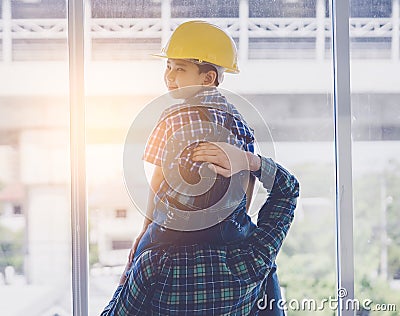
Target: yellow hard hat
204, 42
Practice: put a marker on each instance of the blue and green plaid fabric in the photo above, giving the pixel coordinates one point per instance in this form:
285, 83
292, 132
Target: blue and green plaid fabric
210, 279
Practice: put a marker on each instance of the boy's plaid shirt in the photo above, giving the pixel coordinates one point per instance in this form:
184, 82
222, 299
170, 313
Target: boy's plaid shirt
210, 279
181, 123
173, 120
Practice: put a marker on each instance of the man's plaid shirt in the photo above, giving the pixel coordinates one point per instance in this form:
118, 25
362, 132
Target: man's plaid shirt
213, 279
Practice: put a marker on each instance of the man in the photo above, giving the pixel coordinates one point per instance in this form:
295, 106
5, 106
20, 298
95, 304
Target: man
206, 279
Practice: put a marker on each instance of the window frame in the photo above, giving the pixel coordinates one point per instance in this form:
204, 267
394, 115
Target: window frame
343, 155
79, 212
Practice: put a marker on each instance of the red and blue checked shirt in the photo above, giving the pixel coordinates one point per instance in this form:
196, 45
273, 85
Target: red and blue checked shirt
182, 125
187, 126
213, 279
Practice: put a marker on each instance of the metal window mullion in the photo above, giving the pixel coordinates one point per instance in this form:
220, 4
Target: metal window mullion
165, 21
320, 36
343, 155
395, 30
6, 17
244, 31
77, 149
88, 31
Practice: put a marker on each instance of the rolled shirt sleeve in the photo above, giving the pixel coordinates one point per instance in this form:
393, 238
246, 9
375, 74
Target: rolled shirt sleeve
277, 213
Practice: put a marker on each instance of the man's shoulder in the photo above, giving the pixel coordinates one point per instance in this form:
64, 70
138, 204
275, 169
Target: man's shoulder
148, 263
192, 252
178, 251
214, 258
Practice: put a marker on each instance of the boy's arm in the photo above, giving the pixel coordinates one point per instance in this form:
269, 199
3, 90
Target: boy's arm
155, 183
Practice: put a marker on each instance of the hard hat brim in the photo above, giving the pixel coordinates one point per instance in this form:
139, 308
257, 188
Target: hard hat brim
163, 55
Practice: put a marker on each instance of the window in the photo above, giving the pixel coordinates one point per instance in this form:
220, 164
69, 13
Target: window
375, 130
121, 244
17, 210
287, 73
296, 104
35, 227
120, 213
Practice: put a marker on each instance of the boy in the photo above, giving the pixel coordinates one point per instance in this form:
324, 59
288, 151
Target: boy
198, 53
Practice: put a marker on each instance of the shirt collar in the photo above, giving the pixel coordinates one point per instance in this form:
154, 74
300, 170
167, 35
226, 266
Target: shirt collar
204, 92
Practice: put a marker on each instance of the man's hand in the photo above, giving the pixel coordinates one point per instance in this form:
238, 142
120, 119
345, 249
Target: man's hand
226, 159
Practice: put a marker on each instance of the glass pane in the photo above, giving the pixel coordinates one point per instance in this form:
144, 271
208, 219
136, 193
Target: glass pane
123, 35
122, 30
376, 162
282, 9
192, 9
286, 74
289, 29
35, 238
370, 29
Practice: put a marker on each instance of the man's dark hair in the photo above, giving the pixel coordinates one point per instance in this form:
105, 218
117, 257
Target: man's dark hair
204, 68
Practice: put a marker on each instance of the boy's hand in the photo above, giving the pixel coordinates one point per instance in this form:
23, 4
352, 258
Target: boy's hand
124, 275
226, 159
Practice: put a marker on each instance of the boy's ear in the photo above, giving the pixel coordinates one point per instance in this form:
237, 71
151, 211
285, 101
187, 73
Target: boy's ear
210, 78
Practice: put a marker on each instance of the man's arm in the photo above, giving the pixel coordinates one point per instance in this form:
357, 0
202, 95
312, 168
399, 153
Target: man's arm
277, 213
132, 297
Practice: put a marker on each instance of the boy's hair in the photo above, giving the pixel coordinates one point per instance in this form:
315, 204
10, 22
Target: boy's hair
204, 68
